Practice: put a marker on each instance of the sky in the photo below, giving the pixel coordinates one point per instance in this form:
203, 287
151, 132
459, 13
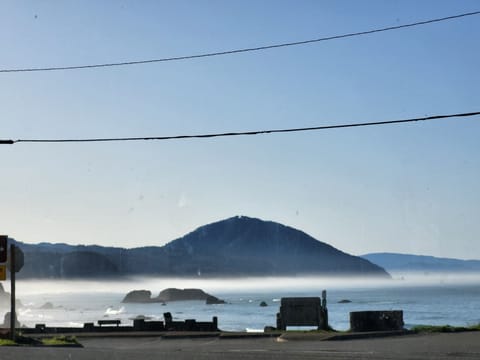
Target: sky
410, 188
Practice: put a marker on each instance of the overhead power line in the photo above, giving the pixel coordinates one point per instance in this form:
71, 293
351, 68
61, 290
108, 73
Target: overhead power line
244, 50
242, 133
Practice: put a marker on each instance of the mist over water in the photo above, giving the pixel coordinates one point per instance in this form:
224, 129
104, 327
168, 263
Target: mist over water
435, 299
232, 285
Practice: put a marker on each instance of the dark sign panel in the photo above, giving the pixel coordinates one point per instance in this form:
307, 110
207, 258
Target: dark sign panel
3, 248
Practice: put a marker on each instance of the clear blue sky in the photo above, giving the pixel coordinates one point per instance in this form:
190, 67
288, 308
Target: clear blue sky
408, 188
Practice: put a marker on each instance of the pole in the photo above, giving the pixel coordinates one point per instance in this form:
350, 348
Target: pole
12, 292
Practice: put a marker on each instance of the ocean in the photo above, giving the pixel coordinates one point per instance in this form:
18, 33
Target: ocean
424, 299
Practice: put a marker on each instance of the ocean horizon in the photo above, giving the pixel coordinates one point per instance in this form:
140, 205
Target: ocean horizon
425, 299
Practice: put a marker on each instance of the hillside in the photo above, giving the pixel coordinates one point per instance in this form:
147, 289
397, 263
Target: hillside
238, 246
248, 246
421, 263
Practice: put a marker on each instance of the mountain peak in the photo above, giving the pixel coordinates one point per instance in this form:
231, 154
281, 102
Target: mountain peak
245, 245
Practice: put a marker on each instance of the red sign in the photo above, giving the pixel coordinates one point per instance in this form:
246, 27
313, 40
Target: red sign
3, 272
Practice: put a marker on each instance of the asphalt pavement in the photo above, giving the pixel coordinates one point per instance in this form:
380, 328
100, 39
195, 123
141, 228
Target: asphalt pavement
424, 346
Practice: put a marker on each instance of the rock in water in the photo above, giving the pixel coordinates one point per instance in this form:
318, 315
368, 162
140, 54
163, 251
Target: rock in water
138, 296
173, 294
6, 321
47, 306
212, 300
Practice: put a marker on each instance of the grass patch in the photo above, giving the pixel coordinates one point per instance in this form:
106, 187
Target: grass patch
53, 341
7, 342
444, 328
60, 341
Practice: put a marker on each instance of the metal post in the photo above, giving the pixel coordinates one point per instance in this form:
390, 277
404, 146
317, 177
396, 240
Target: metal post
324, 310
12, 291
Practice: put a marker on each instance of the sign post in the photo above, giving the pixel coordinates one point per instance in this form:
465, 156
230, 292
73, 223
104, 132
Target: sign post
12, 292
15, 263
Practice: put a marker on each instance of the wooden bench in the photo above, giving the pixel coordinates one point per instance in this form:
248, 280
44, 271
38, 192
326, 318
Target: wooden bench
109, 322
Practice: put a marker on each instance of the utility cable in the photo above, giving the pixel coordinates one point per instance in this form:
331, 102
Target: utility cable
226, 134
244, 50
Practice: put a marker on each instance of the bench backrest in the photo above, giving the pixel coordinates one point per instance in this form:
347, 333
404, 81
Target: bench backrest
109, 322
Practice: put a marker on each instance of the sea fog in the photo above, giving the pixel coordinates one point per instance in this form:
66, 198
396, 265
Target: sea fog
434, 299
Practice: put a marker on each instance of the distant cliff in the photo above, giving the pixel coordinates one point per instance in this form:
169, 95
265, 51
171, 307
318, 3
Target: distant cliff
421, 263
238, 246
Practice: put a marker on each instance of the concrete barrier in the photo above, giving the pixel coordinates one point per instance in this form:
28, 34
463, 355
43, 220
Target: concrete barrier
376, 320
303, 311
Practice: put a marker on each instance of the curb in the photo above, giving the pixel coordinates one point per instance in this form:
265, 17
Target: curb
342, 336
370, 335
282, 336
